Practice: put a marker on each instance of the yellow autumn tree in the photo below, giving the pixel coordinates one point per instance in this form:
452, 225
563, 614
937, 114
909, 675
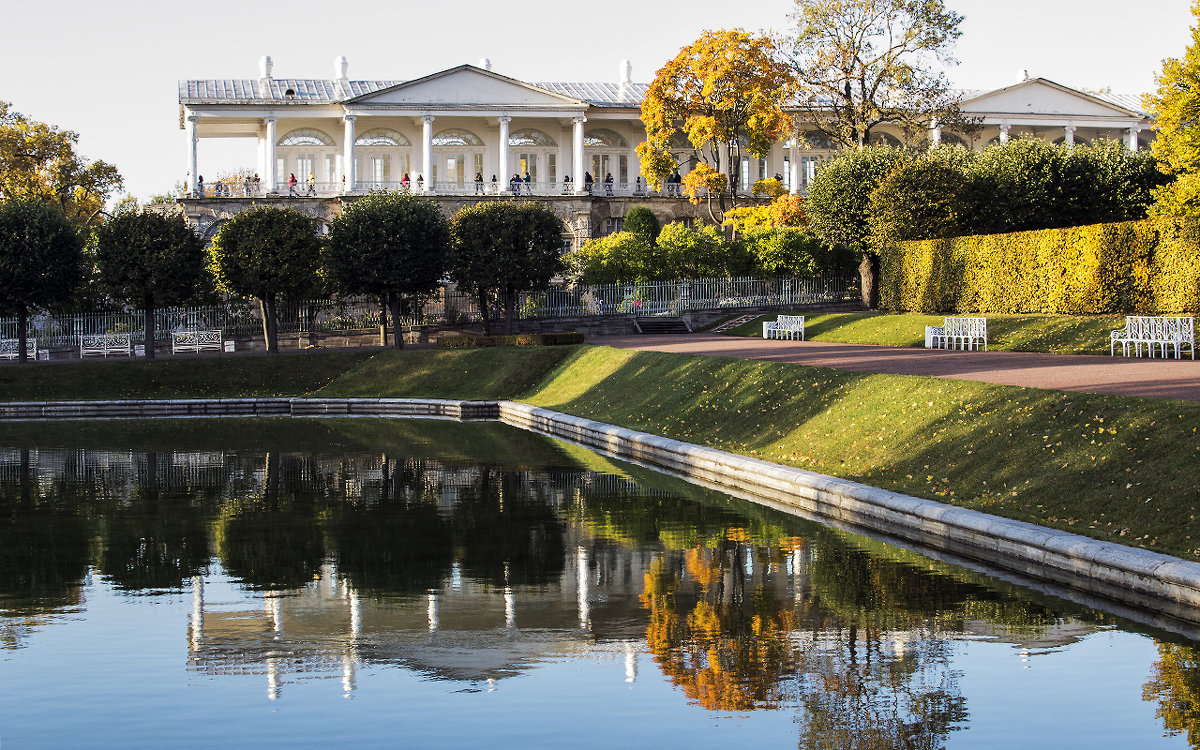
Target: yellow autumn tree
724, 94
1175, 110
39, 161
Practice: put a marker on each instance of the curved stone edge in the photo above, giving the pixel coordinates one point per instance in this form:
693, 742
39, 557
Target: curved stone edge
1140, 577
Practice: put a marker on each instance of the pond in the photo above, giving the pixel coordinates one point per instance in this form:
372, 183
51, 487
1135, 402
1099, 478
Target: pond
370, 582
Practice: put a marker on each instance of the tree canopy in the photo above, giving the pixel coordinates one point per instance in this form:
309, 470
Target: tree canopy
395, 247
863, 63
41, 259
724, 93
39, 161
1175, 110
266, 252
150, 260
501, 249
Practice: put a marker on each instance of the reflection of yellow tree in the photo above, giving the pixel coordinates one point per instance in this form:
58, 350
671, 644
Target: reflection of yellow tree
728, 651
1175, 684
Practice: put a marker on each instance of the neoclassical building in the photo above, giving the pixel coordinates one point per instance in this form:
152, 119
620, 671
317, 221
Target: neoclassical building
435, 134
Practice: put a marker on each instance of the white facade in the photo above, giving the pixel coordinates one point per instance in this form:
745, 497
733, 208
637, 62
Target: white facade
439, 132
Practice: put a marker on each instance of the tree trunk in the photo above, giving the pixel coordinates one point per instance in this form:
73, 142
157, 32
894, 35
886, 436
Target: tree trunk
397, 304
868, 272
22, 334
383, 319
270, 323
148, 331
485, 310
510, 310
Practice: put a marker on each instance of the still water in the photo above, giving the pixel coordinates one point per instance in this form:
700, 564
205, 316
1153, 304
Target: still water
395, 583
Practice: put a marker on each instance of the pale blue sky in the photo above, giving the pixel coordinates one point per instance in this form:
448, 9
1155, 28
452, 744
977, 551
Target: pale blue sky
109, 70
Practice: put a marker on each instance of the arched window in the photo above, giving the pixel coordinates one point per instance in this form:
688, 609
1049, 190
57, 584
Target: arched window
604, 137
817, 141
679, 140
951, 139
530, 137
884, 139
306, 137
1062, 141
381, 137
456, 138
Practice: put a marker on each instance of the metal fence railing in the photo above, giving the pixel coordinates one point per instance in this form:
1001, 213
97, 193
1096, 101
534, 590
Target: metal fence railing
447, 306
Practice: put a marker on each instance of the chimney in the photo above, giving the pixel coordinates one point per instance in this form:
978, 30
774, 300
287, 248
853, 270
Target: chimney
625, 76
265, 66
485, 63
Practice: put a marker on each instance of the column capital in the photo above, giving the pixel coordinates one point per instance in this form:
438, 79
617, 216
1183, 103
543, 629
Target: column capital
428, 119
1070, 127
270, 119
504, 118
579, 119
1135, 129
193, 119
349, 118
1004, 126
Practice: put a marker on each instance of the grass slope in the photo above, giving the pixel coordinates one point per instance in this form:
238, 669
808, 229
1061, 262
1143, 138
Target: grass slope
1018, 333
1110, 467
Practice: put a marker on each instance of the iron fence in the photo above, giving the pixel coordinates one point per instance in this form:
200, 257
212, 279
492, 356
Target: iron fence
447, 306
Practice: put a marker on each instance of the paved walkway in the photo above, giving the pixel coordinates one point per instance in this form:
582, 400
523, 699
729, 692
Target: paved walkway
1148, 378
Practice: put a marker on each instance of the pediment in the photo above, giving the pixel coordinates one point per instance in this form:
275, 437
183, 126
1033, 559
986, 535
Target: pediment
466, 86
1039, 96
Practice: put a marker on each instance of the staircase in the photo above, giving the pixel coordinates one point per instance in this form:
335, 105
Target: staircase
662, 325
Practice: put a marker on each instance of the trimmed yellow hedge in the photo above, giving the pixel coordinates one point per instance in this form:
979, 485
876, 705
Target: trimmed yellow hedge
1150, 267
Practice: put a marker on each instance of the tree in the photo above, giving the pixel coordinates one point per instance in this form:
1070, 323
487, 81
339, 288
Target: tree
641, 221
394, 247
613, 259
501, 249
839, 204
41, 259
266, 252
864, 63
1175, 110
39, 161
724, 92
917, 200
150, 260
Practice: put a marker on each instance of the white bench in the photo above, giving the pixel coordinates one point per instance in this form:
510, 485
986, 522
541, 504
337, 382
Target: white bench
11, 348
196, 340
105, 344
784, 327
1161, 331
957, 333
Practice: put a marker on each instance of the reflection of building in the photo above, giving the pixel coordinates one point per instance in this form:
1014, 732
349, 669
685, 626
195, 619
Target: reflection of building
437, 133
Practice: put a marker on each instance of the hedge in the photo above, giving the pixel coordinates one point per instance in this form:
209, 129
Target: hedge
1149, 267
521, 339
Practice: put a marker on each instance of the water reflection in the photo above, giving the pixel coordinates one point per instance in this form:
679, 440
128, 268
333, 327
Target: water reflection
303, 563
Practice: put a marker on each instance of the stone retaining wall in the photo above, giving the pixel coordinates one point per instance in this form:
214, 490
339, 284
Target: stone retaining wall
1141, 578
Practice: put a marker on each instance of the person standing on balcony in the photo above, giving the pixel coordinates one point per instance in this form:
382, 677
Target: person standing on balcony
404, 182
515, 184
312, 184
566, 184
200, 186
495, 186
292, 184
608, 184
479, 183
528, 186
257, 183
588, 180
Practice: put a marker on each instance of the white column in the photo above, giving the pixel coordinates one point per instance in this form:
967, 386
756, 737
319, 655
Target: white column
577, 153
427, 150
1132, 135
1069, 135
794, 166
935, 133
1004, 127
432, 613
502, 155
269, 177
192, 152
582, 576
348, 164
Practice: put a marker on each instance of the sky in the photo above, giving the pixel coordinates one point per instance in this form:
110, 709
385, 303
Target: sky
110, 70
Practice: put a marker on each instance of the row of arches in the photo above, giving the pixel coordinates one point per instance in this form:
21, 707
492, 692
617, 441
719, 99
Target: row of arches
450, 137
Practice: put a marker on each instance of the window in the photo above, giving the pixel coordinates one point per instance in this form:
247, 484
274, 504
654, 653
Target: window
604, 137
306, 137
530, 137
381, 137
456, 138
612, 226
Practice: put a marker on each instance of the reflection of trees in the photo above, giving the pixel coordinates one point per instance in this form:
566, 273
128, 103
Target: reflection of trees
1175, 684
157, 540
44, 538
398, 544
725, 643
505, 533
273, 541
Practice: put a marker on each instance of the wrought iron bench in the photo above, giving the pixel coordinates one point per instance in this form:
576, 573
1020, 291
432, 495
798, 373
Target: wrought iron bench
784, 327
1154, 331
105, 344
957, 333
11, 348
195, 340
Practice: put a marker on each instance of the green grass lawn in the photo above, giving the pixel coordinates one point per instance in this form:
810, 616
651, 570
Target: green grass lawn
1110, 467
1021, 333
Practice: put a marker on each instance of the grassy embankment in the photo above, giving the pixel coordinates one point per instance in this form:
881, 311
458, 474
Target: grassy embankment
1110, 467
1020, 333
